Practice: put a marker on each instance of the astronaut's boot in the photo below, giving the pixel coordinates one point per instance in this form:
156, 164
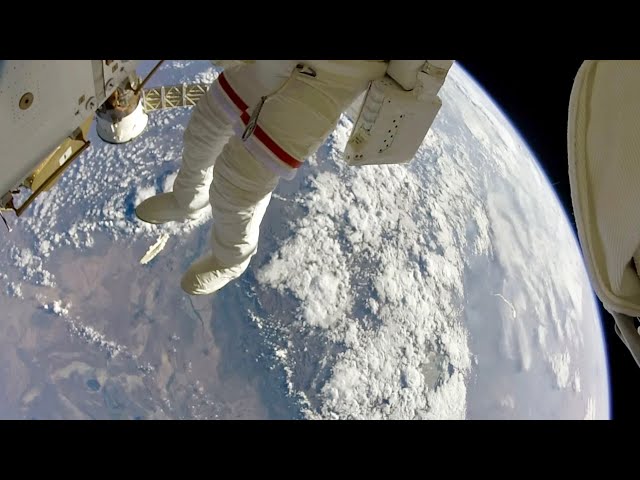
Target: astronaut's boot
207, 275
164, 208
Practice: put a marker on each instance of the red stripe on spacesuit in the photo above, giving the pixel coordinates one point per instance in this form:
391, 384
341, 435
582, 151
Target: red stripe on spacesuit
268, 142
260, 134
235, 98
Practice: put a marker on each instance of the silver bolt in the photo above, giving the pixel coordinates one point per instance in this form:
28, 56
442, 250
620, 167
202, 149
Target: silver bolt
91, 103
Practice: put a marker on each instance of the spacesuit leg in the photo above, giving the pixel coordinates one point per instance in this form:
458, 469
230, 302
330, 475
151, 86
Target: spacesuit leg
206, 134
240, 193
292, 123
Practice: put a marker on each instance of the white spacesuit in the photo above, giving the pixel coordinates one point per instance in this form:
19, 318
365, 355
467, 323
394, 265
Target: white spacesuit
257, 123
604, 170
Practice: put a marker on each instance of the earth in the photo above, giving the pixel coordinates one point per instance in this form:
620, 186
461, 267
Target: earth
449, 288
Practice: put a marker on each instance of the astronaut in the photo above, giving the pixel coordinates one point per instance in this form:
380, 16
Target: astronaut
604, 173
257, 124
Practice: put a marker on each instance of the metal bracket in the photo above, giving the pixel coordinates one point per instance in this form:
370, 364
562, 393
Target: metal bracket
49, 181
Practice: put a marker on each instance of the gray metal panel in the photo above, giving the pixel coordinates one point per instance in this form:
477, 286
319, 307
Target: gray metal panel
28, 135
62, 92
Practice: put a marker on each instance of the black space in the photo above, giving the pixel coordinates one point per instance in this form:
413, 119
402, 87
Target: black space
538, 107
